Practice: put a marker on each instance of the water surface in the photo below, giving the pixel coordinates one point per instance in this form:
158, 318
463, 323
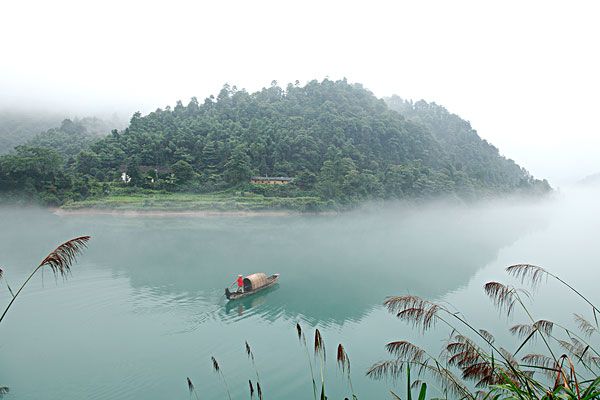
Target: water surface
144, 307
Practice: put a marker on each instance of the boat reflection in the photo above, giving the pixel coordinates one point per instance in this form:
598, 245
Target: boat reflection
240, 306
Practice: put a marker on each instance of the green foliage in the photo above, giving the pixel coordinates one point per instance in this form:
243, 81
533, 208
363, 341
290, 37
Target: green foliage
337, 140
183, 171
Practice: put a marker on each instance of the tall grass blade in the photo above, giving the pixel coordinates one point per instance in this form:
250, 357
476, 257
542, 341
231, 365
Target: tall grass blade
10, 290
423, 391
525, 342
394, 395
408, 391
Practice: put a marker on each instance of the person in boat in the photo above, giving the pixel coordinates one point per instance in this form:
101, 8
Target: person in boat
240, 284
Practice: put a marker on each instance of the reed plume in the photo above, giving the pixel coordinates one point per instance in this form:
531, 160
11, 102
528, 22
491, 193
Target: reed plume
59, 261
406, 350
504, 297
585, 326
413, 309
217, 369
319, 348
342, 359
487, 336
249, 351
191, 388
215, 364
344, 364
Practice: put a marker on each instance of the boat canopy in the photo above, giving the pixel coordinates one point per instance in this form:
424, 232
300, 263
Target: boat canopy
255, 281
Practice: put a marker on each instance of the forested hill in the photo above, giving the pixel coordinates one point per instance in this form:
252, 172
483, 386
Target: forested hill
466, 151
337, 140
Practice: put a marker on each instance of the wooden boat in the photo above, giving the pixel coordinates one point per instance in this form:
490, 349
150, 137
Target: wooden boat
252, 284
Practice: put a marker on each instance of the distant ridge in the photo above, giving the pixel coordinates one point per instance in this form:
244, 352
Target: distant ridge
593, 179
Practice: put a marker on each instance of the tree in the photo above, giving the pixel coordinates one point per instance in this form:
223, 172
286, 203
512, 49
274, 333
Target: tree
237, 168
210, 158
133, 172
183, 171
87, 162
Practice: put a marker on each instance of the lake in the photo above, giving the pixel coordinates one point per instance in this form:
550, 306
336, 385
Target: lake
144, 307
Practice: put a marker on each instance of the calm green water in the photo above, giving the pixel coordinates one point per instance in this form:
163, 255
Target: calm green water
144, 307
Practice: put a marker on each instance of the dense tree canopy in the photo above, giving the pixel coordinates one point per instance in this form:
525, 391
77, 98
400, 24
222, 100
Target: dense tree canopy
337, 140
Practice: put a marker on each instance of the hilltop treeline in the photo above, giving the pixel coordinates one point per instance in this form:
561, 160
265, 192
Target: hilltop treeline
337, 140
18, 127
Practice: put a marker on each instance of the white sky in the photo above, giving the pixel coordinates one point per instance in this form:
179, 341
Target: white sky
525, 73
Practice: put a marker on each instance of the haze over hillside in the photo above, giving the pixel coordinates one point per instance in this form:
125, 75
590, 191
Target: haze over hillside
593, 179
18, 126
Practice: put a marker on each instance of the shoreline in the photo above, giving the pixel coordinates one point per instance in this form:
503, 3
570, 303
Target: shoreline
183, 213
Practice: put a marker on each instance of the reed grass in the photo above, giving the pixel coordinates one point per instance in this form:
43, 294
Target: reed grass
250, 355
302, 339
344, 364
217, 369
319, 348
59, 261
569, 366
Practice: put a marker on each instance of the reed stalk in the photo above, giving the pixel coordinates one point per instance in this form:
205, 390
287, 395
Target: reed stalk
250, 355
302, 339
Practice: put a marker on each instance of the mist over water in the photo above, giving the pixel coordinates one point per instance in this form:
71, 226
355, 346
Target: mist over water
144, 307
